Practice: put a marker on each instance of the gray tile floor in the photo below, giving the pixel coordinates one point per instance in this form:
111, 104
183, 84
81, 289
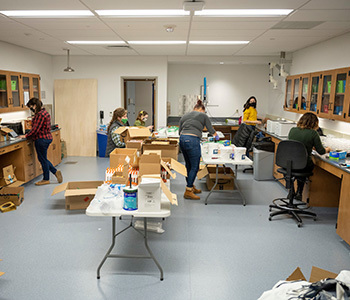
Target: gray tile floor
219, 251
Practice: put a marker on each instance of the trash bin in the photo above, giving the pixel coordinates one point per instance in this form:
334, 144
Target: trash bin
102, 143
263, 164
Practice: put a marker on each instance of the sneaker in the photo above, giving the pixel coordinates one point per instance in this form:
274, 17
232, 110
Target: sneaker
196, 191
42, 182
190, 195
58, 175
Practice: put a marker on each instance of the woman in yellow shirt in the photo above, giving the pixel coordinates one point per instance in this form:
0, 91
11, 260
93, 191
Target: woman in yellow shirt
250, 114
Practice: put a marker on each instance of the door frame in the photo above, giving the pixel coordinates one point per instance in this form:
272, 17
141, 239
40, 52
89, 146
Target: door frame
154, 79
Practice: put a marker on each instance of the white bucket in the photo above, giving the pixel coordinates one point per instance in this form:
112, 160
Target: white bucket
226, 152
240, 153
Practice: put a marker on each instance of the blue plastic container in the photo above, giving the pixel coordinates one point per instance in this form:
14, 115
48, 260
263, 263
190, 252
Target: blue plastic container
102, 143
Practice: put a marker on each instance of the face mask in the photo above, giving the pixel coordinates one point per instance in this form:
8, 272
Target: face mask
125, 121
145, 119
32, 109
253, 105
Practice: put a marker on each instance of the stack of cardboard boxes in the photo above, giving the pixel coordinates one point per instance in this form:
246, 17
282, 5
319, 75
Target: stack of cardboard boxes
10, 188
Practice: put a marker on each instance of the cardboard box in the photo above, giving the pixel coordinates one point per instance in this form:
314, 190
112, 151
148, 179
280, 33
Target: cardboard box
133, 133
317, 274
9, 178
149, 164
149, 193
134, 144
121, 177
225, 181
78, 194
121, 155
169, 147
181, 169
4, 133
12, 194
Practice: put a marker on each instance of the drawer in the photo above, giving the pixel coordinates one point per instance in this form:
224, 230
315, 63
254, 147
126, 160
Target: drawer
11, 148
29, 172
28, 147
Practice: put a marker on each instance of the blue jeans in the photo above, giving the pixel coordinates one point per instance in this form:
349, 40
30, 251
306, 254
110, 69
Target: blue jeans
191, 150
41, 146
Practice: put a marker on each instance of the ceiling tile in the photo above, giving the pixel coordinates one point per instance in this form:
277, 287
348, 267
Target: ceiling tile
212, 50
40, 5
160, 50
320, 15
227, 25
326, 4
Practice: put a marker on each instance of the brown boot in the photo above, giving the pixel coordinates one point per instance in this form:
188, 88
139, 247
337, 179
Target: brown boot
196, 191
42, 182
58, 175
190, 195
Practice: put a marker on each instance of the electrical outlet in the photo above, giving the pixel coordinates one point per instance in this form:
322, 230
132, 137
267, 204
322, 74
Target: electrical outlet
237, 111
111, 114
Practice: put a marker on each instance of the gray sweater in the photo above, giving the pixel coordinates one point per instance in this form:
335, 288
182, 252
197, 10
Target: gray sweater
194, 122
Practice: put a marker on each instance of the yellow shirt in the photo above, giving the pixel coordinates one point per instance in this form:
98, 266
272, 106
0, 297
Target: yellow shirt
250, 114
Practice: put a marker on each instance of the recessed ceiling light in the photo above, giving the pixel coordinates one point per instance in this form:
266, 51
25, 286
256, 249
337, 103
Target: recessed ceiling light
143, 13
47, 13
221, 62
219, 42
243, 12
96, 42
157, 42
169, 28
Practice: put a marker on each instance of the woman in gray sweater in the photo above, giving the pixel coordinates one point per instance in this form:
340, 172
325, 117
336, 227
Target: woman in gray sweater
113, 139
190, 129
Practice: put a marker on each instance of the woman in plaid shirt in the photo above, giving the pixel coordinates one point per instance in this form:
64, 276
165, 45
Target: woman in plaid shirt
41, 135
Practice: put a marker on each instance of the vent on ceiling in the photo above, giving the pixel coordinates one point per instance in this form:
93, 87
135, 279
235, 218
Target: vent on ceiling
117, 47
297, 25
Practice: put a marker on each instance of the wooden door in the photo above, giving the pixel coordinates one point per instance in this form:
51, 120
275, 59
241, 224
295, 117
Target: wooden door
76, 114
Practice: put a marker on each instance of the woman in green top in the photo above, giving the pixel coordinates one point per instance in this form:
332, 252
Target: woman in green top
306, 133
141, 119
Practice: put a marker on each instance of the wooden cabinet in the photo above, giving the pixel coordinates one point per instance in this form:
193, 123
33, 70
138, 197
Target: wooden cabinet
325, 93
23, 157
16, 89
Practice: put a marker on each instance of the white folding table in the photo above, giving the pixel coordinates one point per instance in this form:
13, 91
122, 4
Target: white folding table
221, 161
165, 212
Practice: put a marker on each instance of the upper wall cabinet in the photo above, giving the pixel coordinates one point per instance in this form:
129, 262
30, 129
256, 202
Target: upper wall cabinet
16, 89
325, 93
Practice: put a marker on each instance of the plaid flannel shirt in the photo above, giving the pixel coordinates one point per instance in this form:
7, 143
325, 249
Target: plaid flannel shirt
41, 126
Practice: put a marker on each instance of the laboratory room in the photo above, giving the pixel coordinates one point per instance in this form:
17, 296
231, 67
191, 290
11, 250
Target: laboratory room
175, 149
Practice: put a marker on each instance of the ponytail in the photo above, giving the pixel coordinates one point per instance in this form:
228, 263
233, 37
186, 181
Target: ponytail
199, 105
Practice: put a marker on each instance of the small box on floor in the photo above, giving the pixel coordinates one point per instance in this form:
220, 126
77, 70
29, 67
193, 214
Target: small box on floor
12, 194
225, 179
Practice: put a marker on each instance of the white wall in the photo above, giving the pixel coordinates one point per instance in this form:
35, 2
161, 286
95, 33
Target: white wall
331, 54
229, 86
14, 58
109, 72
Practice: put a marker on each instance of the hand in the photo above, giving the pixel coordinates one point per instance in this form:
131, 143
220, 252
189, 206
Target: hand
328, 149
22, 136
258, 122
217, 137
150, 127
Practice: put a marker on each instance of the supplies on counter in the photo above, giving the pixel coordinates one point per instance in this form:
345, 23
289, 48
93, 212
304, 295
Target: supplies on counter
119, 170
223, 151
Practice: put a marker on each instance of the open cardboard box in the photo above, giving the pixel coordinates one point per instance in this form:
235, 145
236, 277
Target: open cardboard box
78, 194
225, 181
133, 133
9, 178
121, 177
134, 144
317, 274
4, 133
169, 148
121, 155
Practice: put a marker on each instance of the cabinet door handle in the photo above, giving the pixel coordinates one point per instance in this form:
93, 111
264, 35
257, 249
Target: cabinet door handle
30, 175
56, 133
2, 151
31, 164
17, 146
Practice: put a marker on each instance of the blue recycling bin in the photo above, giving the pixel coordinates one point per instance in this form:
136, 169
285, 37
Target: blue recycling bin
102, 143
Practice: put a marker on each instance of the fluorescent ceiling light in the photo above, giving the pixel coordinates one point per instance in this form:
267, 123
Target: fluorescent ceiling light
219, 42
143, 13
243, 12
46, 13
96, 42
157, 42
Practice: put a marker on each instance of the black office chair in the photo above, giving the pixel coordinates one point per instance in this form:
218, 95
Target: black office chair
291, 157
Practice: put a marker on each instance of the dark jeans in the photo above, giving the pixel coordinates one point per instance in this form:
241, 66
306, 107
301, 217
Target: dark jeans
301, 180
191, 150
41, 146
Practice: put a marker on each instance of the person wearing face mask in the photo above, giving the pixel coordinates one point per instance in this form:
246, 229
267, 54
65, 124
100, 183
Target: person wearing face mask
41, 135
250, 114
114, 139
141, 119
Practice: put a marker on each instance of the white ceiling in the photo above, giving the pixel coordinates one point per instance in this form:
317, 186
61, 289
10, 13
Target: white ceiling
49, 35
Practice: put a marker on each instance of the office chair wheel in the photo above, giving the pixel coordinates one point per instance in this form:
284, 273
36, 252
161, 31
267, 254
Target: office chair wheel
270, 218
315, 218
299, 224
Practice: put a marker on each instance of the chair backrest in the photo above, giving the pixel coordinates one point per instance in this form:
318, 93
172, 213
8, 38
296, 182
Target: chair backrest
242, 135
291, 151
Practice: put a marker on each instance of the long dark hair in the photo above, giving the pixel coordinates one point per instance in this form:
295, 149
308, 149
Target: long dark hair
142, 113
247, 104
199, 105
308, 121
118, 113
37, 102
